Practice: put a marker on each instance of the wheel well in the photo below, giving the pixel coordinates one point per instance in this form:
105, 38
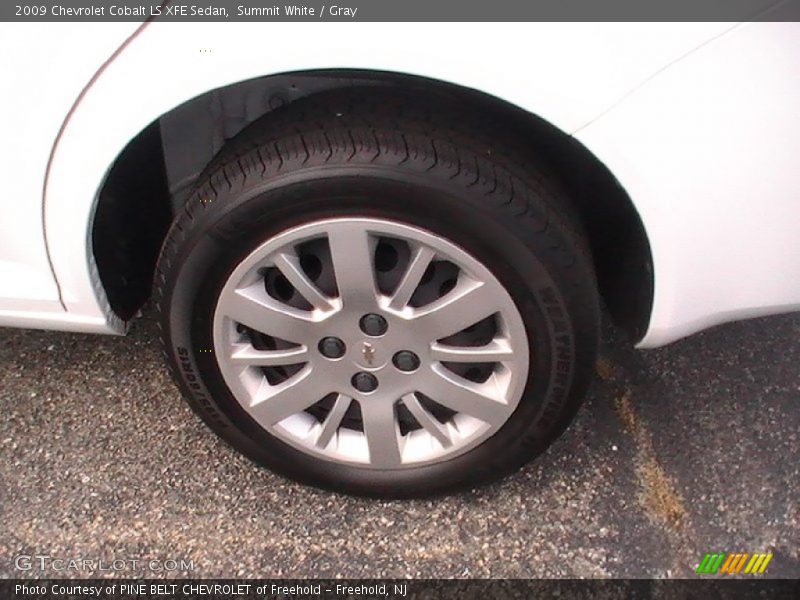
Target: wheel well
154, 174
131, 221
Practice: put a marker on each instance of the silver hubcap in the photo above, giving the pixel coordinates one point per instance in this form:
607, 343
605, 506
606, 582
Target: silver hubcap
370, 342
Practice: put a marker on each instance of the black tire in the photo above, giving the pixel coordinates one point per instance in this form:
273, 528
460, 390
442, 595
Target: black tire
374, 153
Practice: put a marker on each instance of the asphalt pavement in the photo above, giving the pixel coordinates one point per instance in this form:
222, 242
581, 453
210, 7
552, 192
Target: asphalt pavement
679, 451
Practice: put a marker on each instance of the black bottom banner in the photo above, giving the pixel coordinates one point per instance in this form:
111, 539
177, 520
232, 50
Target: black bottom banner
484, 589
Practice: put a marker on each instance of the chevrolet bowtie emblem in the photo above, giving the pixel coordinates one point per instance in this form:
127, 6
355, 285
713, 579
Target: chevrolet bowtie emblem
368, 352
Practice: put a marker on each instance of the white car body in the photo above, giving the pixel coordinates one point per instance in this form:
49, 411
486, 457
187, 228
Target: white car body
698, 122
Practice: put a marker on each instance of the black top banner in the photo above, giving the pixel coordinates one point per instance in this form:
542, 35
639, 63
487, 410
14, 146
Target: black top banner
399, 10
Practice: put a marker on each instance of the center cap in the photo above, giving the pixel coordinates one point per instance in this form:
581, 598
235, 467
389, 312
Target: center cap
370, 355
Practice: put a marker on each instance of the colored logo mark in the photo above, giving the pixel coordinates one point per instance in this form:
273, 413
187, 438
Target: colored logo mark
733, 563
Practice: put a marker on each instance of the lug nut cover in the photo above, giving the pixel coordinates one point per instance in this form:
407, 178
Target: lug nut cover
332, 347
405, 360
373, 325
365, 382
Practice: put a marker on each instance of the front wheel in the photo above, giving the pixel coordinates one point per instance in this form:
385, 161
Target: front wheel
369, 304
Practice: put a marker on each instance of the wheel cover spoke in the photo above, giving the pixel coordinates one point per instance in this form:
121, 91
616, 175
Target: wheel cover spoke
289, 265
481, 401
420, 260
351, 249
245, 354
253, 308
383, 437
467, 304
274, 403
332, 422
297, 345
498, 350
428, 422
